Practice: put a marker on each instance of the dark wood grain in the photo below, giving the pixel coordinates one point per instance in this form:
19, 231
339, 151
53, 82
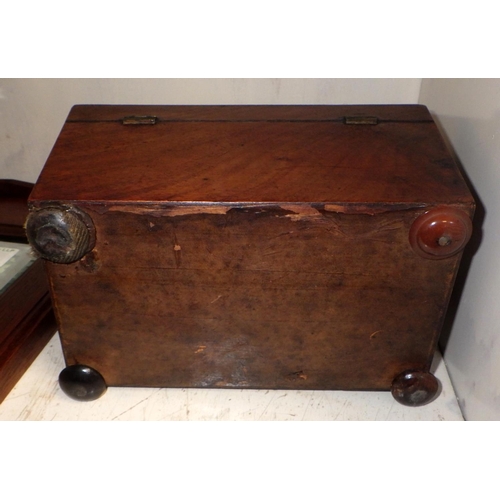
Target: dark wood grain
27, 323
27, 320
21, 296
414, 388
262, 247
248, 161
250, 298
13, 208
259, 113
25, 343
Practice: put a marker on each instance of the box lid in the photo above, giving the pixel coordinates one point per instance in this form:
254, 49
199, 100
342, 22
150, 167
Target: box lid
251, 154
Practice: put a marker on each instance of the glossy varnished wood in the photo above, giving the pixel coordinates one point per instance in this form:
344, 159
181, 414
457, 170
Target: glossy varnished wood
415, 388
21, 296
13, 209
24, 343
82, 383
27, 320
224, 161
258, 113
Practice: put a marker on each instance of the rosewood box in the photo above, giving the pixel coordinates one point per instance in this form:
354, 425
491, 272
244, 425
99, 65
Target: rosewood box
273, 247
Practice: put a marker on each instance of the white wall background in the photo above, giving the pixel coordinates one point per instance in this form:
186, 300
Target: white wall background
468, 111
32, 113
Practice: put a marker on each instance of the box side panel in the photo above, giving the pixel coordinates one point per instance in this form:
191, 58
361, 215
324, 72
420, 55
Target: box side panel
25, 343
252, 297
19, 298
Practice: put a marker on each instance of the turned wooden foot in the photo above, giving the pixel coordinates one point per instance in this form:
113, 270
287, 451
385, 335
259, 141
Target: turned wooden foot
414, 388
82, 383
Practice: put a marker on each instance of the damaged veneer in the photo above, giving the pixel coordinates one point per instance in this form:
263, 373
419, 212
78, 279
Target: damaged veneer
205, 260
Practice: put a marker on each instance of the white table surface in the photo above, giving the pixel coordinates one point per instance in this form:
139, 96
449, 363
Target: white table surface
37, 396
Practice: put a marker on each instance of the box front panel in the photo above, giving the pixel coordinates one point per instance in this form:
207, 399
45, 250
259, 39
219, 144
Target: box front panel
262, 297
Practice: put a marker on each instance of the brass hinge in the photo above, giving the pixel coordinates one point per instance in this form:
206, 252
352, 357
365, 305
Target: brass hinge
139, 120
360, 120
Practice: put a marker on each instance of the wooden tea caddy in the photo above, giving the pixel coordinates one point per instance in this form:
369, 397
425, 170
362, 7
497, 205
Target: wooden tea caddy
268, 247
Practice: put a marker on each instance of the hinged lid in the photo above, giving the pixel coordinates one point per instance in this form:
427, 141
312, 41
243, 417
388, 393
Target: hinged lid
251, 154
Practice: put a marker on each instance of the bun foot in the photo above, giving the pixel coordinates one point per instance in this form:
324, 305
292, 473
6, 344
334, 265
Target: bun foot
414, 388
82, 383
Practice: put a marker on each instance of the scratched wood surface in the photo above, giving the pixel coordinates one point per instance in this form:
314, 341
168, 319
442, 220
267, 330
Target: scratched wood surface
257, 247
265, 298
37, 396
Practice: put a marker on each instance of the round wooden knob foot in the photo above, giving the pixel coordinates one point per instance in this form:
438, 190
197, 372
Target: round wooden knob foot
440, 233
60, 234
414, 388
82, 383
